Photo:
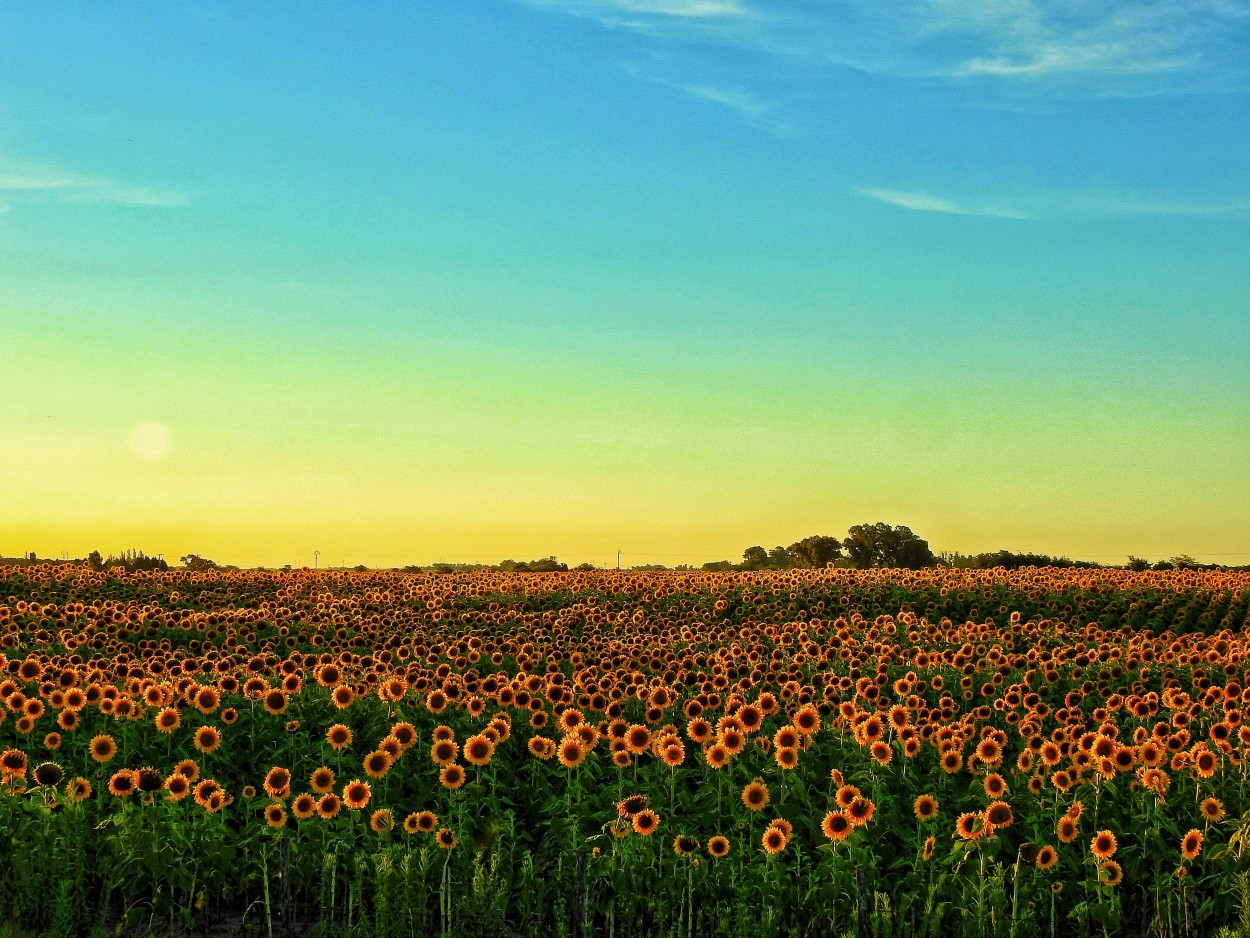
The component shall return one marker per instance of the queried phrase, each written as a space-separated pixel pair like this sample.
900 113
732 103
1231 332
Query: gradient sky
436 281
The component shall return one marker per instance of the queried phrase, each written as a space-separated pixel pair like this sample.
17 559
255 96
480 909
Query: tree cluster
865 546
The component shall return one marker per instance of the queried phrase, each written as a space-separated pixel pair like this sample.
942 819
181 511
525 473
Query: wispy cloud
924 202
1056 205
80 188
1132 47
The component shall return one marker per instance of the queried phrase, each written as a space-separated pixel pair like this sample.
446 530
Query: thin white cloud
1056 205
923 202
79 188
1132 47
741 101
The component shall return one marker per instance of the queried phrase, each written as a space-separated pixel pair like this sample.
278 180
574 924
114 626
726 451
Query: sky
401 283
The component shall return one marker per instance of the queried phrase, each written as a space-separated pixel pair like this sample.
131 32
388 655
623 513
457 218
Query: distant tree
1137 564
132 560
285 568
779 558
815 551
196 563
717 566
96 560
1183 562
883 545
754 558
585 567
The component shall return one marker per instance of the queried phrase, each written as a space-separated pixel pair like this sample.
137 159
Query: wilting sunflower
926 852
149 780
1046 858
103 748
339 737
207 739
329 805
684 845
1103 846
77 790
835 826
718 846
645 822
755 795
47 775
925 808
304 806
446 838
321 780
356 794
275 815
381 821
1191 845
451 777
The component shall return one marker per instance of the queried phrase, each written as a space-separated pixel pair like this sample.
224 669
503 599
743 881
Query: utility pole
618 560
316 558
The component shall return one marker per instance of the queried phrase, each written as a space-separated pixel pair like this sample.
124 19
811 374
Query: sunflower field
807 752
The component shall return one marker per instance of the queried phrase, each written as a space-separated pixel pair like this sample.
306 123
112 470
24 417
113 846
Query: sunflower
189 769
845 795
103 748
860 811
1109 873
168 720
304 806
207 739
716 756
451 777
203 790
381 821
446 838
1062 780
684 845
571 752
673 753
786 758
970 825
322 780
150 780
278 782
774 841
123 783
52 741
882 752
1046 858
177 787
377 764
329 805
835 826
356 794
786 738
952 761
1205 763
645 822
48 775
478 750
994 785
718 846
925 808
926 852
77 790
1191 845
444 751
275 815
998 814
630 806
425 821
339 737
755 795
1212 809
543 748
807 720
1103 846
406 733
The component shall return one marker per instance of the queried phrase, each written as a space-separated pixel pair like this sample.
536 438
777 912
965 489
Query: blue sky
950 230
